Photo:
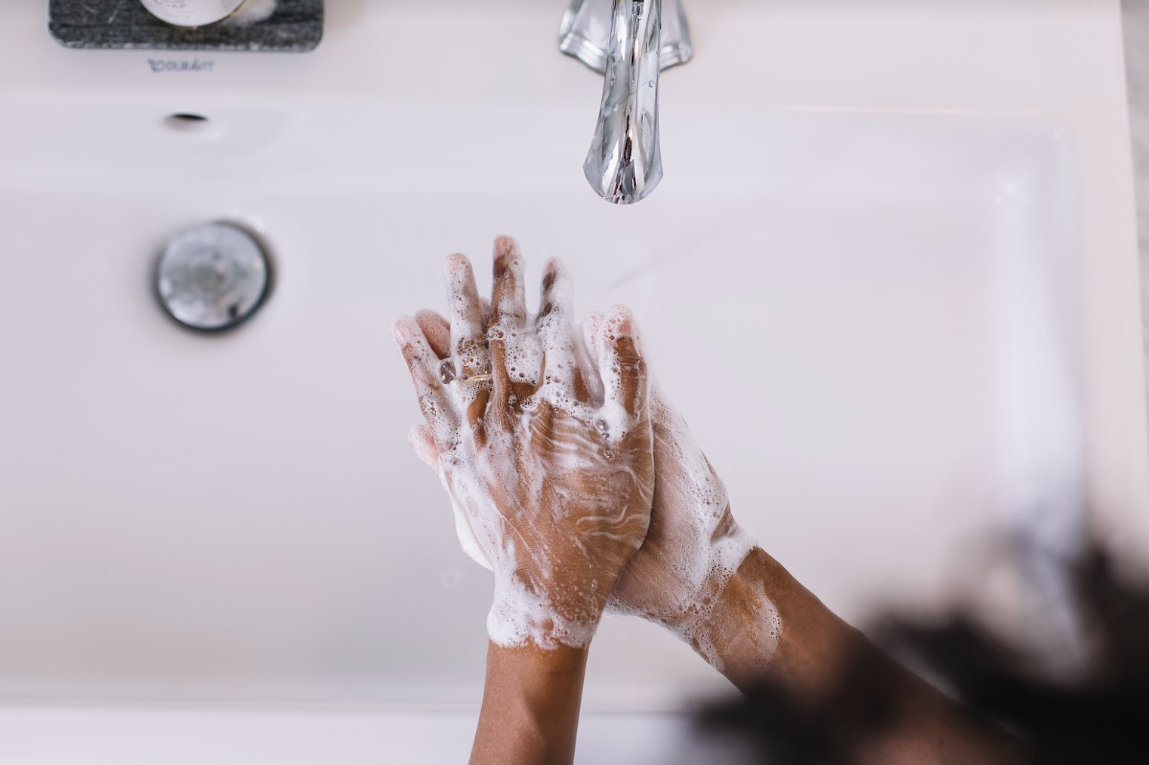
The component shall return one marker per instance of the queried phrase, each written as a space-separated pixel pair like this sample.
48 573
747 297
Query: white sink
890 279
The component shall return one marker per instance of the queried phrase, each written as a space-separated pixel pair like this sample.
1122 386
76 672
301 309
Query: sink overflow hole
186 122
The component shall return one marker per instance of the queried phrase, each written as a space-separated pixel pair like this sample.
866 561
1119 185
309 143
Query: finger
555 332
500 402
465 310
476 405
557 291
588 355
542 423
437 330
424 443
508 300
434 400
591 328
621 364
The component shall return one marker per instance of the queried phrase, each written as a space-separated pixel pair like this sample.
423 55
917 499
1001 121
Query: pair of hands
582 489
571 479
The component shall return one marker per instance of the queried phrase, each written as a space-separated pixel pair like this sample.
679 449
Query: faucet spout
624 163
631 47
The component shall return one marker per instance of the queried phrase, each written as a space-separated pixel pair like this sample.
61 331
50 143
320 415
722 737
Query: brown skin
530 705
815 644
531 700
568 505
574 508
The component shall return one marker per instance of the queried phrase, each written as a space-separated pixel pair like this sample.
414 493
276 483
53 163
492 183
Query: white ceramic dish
191 13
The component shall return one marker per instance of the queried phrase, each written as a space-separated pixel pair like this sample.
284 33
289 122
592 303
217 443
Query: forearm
530 706
765 626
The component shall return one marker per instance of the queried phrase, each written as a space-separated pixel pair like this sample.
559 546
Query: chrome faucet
630 42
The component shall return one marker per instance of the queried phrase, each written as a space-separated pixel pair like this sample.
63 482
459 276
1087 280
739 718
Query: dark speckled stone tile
295 25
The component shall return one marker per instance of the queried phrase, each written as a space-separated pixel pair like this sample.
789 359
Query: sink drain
213 277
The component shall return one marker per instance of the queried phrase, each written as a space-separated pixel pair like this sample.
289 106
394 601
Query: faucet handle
624 163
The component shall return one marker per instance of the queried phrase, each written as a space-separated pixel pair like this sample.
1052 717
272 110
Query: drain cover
213 276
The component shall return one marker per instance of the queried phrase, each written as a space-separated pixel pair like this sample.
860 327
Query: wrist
731 607
706 583
766 624
530 705
521 616
533 667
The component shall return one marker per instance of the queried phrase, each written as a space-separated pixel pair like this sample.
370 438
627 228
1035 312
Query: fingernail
550 275
505 247
624 320
456 264
400 332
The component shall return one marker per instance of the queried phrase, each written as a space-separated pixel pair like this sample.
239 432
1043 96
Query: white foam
485 469
751 642
702 547
698 545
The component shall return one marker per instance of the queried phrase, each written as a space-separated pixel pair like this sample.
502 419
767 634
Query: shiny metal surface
628 41
585 33
624 163
213 276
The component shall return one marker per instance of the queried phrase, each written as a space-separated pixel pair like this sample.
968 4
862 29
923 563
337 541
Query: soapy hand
548 460
693 546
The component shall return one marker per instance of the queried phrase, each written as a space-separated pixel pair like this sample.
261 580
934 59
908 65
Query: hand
551 485
693 546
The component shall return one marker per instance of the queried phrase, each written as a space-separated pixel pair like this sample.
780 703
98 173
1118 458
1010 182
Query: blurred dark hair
1101 719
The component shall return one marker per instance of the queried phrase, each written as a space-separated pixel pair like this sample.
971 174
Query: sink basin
892 289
